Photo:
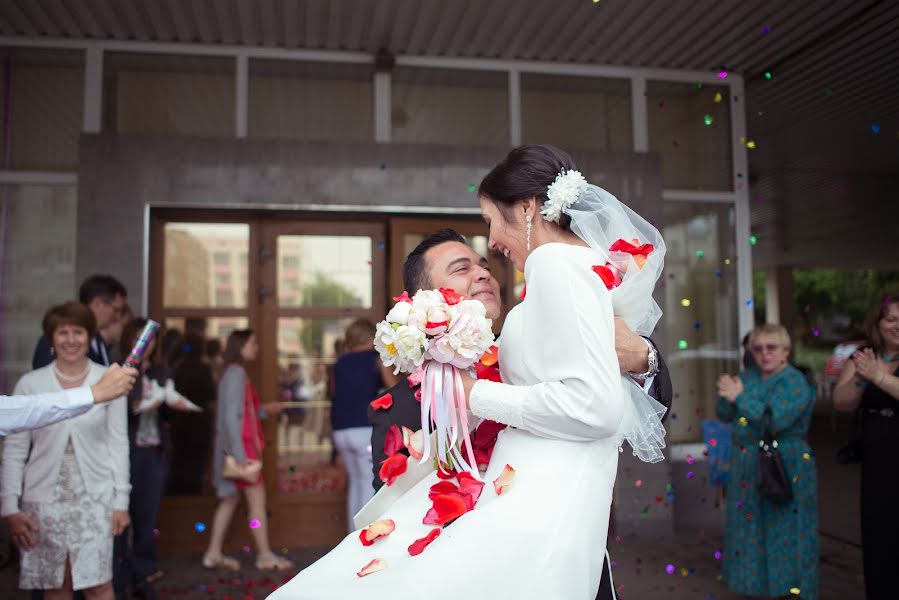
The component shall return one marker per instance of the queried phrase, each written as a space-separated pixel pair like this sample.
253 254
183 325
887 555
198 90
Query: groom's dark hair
415 269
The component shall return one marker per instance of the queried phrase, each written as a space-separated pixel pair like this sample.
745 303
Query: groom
444 260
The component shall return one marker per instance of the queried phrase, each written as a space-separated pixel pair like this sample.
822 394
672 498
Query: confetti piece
718 274
750 144
690 460
682 344
727 261
698 85
753 240
766 30
683 572
875 128
722 75
471 187
638 483
670 569
768 75
697 325
718 97
155 534
795 591
743 422
255 524
690 475
199 527
717 554
816 332
246 549
685 302
713 442
749 303
707 119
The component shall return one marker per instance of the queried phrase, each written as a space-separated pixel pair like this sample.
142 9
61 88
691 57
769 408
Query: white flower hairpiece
562 193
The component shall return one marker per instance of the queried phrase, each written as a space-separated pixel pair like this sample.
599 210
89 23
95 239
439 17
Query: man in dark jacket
444 260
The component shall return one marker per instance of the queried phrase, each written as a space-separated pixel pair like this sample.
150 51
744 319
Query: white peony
412 344
467 338
430 312
400 313
385 344
562 193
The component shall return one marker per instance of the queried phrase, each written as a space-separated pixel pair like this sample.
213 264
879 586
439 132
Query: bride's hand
467 383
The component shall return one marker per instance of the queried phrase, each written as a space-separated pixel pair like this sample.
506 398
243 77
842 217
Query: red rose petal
403 298
609 275
441 487
418 395
505 478
382 403
393 441
377 529
377 564
471 486
451 296
491 357
419 545
415 445
446 474
392 468
448 507
524 292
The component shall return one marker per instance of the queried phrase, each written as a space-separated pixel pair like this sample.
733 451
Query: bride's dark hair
526 172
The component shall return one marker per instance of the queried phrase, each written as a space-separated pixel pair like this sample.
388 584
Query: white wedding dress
545 536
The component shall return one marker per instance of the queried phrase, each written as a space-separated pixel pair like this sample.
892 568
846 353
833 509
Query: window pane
576 112
310 101
205 265
450 106
324 271
700 305
306 350
47 96
40 268
191 349
689 125
157 94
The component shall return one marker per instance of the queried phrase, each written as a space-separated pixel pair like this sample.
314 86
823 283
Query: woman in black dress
870 382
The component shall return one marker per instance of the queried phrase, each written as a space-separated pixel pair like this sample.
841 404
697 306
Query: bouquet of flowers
439 332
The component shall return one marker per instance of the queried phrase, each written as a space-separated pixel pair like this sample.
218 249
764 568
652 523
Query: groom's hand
633 354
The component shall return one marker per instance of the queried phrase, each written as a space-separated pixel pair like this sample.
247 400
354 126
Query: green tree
323 292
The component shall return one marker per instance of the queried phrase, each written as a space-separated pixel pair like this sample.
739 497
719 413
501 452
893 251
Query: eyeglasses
759 348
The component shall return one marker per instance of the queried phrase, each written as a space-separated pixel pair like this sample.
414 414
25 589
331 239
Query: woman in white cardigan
65 499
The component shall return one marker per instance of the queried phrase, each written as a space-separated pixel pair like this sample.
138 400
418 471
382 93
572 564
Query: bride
563 398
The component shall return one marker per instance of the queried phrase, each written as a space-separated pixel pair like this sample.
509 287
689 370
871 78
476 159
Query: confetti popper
140 346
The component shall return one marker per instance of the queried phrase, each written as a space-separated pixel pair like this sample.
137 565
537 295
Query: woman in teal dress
770 550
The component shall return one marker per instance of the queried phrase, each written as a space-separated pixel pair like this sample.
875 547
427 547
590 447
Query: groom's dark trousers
405 411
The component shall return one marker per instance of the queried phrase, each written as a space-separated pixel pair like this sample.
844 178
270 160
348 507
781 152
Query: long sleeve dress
544 536
771 549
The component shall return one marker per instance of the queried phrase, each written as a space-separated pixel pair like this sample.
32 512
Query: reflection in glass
699 288
307 349
323 271
206 265
191 349
689 125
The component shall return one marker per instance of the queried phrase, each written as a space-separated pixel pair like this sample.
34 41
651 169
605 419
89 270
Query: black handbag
774 483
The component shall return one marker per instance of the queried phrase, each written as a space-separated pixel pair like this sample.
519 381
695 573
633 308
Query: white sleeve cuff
491 400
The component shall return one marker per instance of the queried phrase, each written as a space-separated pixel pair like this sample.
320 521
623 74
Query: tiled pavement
640 572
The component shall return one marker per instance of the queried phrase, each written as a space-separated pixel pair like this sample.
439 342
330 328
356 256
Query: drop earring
528 219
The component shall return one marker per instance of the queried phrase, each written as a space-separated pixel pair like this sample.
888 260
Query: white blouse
18 413
99 437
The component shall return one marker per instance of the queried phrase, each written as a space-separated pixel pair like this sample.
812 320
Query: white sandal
221 561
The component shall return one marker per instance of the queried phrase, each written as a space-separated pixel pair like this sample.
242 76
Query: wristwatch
652 362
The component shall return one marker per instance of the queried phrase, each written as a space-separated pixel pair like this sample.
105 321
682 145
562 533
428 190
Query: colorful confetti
875 128
700 254
768 75
697 325
199 527
685 302
750 144
670 569
806 456
472 187
795 591
638 483
718 97
753 240
743 422
717 554
690 474
707 119
722 74
682 344
690 460
255 524
816 332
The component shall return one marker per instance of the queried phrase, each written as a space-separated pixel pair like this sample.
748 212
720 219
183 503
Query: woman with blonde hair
870 383
770 547
65 487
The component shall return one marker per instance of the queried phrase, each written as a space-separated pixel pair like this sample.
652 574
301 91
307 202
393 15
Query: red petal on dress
377 564
451 296
524 292
382 403
446 474
441 487
505 478
419 545
393 441
392 468
403 298
488 373
470 486
377 529
418 395
448 507
609 275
